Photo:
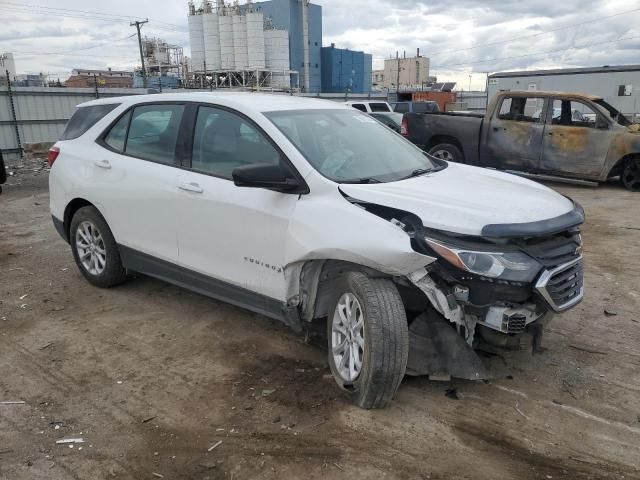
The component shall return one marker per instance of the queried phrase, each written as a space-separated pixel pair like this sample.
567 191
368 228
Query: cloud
462 37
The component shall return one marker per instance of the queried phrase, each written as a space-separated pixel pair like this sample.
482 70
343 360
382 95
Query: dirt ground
152 377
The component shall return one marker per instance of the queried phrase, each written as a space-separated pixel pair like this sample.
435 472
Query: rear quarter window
379 107
425 107
84 118
401 108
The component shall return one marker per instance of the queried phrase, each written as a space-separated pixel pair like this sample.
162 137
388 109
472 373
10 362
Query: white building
414 73
617 85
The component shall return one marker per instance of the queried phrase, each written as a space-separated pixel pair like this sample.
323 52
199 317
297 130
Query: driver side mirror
601 123
270 177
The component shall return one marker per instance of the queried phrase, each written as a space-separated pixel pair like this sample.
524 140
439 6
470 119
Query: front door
576 140
513 137
232 234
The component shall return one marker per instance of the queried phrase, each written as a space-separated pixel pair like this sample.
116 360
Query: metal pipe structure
305 39
13 114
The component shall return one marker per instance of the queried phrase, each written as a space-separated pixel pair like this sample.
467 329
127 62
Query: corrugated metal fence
34 115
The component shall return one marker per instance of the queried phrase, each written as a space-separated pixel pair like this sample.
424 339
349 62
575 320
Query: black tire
113 272
630 176
386 339
448 152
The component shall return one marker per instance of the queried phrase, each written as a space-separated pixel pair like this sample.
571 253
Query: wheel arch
70 210
316 278
619 165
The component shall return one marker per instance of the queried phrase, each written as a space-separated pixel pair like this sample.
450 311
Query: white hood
463 199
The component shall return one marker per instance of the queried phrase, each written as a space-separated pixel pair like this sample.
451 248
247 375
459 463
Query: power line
600 19
84 14
84 17
536 53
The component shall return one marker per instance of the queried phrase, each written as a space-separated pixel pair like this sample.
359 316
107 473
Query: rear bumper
59 226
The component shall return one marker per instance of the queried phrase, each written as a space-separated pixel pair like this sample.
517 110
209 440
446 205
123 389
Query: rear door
512 139
576 139
133 178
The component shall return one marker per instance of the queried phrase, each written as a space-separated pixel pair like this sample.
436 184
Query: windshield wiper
363 180
417 172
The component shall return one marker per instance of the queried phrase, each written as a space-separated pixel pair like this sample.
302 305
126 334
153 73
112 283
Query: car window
153 132
359 106
223 141
379 107
84 118
118 133
574 114
401 108
425 107
521 109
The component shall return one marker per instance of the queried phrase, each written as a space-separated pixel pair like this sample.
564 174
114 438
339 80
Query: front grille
563 286
554 251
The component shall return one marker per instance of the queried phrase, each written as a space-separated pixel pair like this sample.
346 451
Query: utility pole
138 25
398 82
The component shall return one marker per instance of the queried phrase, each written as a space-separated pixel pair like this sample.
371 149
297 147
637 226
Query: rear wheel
95 250
630 176
447 152
368 338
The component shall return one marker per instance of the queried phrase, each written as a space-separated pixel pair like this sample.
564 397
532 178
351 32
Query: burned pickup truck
566 135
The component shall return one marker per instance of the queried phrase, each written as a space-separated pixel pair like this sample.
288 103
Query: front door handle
103 164
191 187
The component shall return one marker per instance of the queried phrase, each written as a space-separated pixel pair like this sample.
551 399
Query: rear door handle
103 164
191 187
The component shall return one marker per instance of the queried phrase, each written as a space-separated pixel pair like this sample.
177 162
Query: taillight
53 154
404 128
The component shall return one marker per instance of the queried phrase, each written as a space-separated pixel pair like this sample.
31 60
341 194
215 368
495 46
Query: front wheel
447 152
368 338
630 177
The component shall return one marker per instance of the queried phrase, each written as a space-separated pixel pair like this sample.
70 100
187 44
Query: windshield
350 147
615 114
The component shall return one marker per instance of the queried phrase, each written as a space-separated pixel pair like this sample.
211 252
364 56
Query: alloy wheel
347 337
91 249
443 155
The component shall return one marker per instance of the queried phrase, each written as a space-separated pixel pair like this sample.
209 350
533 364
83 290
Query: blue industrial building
287 14
345 71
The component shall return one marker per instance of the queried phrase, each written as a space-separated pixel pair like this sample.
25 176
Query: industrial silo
196 40
227 60
240 41
255 40
277 56
211 33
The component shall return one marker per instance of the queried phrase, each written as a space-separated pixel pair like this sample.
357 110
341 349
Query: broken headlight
512 266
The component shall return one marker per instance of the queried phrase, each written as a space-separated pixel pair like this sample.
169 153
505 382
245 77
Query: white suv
309 211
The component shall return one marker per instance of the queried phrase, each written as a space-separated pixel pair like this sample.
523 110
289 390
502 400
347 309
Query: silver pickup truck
567 135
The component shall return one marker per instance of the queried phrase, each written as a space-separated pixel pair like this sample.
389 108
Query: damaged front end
486 292
493 291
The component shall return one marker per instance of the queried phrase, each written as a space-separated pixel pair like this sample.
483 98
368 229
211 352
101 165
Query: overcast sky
462 37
